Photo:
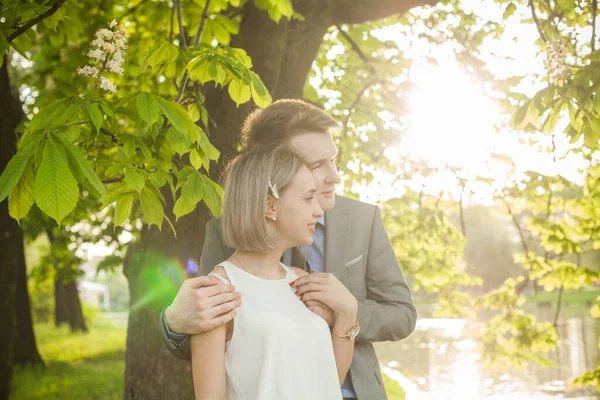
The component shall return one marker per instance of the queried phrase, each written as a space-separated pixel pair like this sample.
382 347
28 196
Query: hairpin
273 190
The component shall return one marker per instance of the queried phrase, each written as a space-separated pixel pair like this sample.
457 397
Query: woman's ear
271 208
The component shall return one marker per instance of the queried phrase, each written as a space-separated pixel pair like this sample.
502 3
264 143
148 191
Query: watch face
354 333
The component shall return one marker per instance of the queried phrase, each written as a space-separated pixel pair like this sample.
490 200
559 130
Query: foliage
145 152
78 365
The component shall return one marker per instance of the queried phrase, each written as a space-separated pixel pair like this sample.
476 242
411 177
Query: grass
89 366
393 389
78 366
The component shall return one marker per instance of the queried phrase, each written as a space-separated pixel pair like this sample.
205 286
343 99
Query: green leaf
207 148
152 208
95 115
509 11
566 5
83 165
213 195
552 118
260 94
239 92
192 192
176 114
147 107
199 69
21 198
44 117
146 152
134 179
123 208
55 189
179 142
15 167
194 112
195 159
129 146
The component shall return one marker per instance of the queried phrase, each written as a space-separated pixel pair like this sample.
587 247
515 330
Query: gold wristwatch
352 333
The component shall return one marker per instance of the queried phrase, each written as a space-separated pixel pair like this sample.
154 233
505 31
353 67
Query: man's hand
327 289
202 304
321 310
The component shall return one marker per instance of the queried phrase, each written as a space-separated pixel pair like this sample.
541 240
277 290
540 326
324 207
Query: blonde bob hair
249 179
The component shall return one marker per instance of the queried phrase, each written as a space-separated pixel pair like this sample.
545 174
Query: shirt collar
321 220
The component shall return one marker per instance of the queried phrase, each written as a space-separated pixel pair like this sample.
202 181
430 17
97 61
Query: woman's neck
263 264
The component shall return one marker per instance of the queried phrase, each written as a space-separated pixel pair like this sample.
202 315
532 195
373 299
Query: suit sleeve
388 313
212 254
213 251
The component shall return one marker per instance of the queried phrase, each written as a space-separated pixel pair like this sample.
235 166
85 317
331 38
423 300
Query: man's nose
332 175
317 210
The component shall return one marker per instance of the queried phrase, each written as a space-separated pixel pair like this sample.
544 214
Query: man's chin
327 202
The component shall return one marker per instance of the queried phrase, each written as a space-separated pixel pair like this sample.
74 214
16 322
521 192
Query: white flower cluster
556 62
107 54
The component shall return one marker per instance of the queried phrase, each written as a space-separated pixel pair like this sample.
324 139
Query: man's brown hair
282 120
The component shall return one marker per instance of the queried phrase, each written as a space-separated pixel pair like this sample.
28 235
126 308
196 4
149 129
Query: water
439 361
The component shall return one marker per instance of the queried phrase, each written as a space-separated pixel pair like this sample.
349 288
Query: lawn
89 366
78 366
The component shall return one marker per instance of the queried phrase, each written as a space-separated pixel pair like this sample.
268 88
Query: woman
275 347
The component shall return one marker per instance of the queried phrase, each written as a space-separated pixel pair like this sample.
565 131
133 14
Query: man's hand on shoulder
202 304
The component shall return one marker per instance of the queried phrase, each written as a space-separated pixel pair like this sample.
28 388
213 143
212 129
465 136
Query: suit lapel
337 228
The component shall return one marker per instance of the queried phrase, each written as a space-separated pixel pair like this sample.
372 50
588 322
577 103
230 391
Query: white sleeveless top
279 350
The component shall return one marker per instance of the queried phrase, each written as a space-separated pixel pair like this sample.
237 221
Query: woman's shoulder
220 271
298 271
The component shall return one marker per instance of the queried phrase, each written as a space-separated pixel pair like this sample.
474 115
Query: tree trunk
11 236
26 352
67 306
282 55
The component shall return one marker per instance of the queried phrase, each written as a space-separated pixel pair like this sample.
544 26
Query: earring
274 218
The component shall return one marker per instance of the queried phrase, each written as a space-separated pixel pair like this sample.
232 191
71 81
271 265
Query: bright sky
454 122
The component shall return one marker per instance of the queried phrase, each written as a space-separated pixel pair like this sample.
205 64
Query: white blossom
115 67
88 71
97 54
107 85
556 63
106 56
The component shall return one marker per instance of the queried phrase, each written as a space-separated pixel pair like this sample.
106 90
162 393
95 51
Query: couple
287 333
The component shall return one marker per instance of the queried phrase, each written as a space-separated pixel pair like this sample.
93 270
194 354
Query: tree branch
462 210
354 12
357 49
23 28
558 306
202 22
180 24
536 20
594 11
196 41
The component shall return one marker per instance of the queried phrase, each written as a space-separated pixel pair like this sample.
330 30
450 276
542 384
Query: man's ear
271 208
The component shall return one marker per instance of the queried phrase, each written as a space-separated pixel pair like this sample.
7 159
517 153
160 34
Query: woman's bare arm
208 361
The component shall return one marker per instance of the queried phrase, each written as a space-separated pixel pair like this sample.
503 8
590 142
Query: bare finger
222 320
224 308
221 299
309 287
317 277
216 290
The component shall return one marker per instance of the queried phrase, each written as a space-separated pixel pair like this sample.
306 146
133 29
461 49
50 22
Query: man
350 245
